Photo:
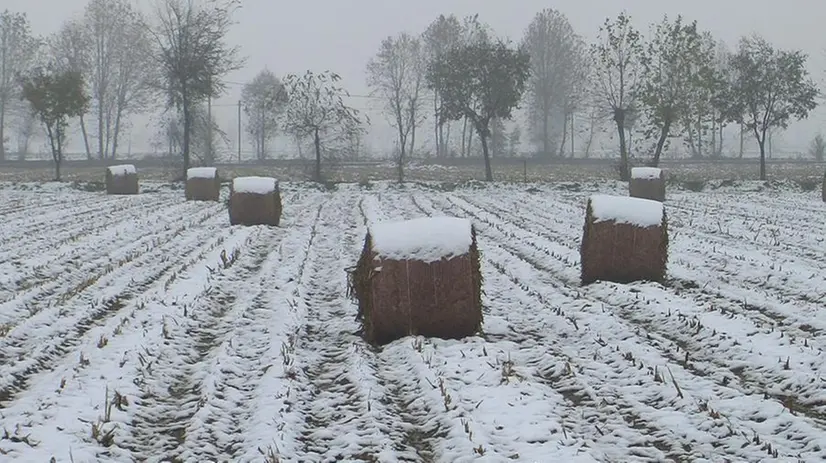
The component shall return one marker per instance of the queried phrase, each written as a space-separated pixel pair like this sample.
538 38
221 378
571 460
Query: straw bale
202 188
404 297
647 186
122 182
255 208
623 252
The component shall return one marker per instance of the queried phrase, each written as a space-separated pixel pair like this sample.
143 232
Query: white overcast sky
341 35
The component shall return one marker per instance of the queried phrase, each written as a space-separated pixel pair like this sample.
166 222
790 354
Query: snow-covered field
144 328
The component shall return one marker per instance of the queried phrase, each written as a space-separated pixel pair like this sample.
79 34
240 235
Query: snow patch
646 173
201 172
426 239
623 209
256 185
122 169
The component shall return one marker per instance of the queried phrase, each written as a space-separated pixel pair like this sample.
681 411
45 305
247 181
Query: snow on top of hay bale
646 173
426 239
255 185
201 172
624 209
123 169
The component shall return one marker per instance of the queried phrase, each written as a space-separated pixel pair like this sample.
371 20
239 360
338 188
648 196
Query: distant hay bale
625 239
122 180
202 184
647 183
255 201
419 277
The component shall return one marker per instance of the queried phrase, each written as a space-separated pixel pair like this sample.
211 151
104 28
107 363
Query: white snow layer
426 239
256 185
646 173
201 172
624 209
123 169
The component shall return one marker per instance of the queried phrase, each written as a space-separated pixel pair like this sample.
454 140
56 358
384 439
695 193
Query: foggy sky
339 35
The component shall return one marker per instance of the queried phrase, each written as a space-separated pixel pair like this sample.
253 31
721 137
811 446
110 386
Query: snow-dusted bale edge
646 173
622 209
425 239
255 185
122 169
201 172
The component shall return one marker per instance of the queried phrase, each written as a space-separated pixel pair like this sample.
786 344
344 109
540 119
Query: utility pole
209 159
239 131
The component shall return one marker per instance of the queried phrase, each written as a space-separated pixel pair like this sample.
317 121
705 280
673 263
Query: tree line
675 83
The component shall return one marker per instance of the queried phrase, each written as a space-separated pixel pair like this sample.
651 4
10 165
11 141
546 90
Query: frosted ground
145 328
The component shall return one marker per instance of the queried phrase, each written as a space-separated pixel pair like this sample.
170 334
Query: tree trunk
661 143
2 131
742 140
85 134
116 133
101 152
486 154
317 143
187 135
761 142
564 138
464 138
546 143
619 118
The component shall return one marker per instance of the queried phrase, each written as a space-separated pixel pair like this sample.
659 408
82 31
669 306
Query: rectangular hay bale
122 180
404 297
255 206
647 183
623 249
202 184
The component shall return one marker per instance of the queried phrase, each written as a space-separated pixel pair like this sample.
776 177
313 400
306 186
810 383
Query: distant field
535 172
145 328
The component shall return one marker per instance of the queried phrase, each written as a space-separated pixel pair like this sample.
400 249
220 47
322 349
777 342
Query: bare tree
193 55
264 100
69 49
396 75
316 110
557 68
616 71
118 59
17 49
443 34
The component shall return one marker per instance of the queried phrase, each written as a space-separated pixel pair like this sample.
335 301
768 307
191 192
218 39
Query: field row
145 328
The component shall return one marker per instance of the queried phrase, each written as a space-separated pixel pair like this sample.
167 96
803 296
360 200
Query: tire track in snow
172 376
218 430
337 407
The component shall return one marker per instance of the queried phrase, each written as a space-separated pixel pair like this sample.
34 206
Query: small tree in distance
817 148
316 109
480 81
768 89
264 100
55 96
616 70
